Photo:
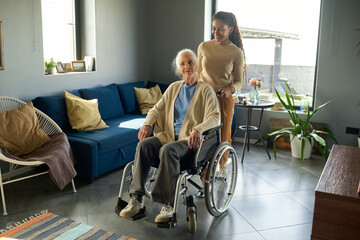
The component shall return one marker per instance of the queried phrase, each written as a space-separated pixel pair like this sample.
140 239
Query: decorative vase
296 147
254 94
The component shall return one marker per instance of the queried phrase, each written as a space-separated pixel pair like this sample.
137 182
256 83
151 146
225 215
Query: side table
262 104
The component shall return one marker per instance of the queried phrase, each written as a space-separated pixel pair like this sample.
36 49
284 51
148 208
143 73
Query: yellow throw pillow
20 132
83 114
147 98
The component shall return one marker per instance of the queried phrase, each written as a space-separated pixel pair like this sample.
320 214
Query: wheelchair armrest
212 130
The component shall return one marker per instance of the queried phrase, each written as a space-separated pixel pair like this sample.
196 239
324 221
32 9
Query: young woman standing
221 64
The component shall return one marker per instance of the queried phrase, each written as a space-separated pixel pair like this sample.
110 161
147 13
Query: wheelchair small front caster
191 214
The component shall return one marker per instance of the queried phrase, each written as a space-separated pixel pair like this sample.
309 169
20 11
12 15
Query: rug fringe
16 224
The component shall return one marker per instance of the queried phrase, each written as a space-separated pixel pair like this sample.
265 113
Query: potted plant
302 132
50 66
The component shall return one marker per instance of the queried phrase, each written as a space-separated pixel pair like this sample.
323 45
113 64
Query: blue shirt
182 104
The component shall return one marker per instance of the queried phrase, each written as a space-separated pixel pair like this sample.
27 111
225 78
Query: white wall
121 49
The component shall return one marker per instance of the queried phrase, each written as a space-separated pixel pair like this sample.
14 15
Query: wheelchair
219 181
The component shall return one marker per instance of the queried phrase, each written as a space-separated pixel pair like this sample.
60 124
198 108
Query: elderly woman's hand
144 132
194 139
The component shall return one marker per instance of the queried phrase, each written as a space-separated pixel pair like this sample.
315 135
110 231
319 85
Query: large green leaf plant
302 129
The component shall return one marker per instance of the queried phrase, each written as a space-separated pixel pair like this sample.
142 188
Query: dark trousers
169 159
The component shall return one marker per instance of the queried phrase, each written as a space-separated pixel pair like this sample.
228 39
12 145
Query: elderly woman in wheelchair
186 127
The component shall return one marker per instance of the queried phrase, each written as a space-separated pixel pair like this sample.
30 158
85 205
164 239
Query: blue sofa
100 151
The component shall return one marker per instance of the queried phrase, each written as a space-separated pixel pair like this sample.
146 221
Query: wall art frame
78 66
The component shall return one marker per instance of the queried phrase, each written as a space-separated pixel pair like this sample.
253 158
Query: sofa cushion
147 98
128 98
20 132
55 108
108 98
123 131
83 114
163 86
75 92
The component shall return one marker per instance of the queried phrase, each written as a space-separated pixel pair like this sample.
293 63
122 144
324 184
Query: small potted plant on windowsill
50 66
302 134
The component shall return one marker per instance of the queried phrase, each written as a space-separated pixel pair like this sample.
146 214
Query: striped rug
50 226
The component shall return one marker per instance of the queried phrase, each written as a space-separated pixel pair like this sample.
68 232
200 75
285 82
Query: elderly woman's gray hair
176 62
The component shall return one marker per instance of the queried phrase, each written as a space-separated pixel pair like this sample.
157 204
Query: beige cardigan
203 112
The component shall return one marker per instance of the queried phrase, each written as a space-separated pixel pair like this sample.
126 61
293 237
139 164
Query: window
59 30
280 41
69 31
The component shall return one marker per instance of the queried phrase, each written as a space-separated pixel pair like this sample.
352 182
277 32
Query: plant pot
51 70
296 147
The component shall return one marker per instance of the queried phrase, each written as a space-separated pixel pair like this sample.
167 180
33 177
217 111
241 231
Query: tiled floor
274 201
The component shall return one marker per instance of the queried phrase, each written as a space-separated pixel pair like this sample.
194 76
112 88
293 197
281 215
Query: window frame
84 36
297 107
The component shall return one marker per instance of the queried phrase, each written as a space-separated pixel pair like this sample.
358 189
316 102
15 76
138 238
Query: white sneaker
132 208
165 214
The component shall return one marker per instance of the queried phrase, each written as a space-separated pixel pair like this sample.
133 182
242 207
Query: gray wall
121 48
174 25
338 67
137 39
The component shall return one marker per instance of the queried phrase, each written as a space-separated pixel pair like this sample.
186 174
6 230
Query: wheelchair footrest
139 215
170 223
121 204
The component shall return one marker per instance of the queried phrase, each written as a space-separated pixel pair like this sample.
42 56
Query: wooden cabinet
337 202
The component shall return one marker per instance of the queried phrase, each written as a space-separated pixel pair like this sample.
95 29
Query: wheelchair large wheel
149 183
221 179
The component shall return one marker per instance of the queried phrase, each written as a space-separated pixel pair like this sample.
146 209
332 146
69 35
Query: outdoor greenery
302 129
